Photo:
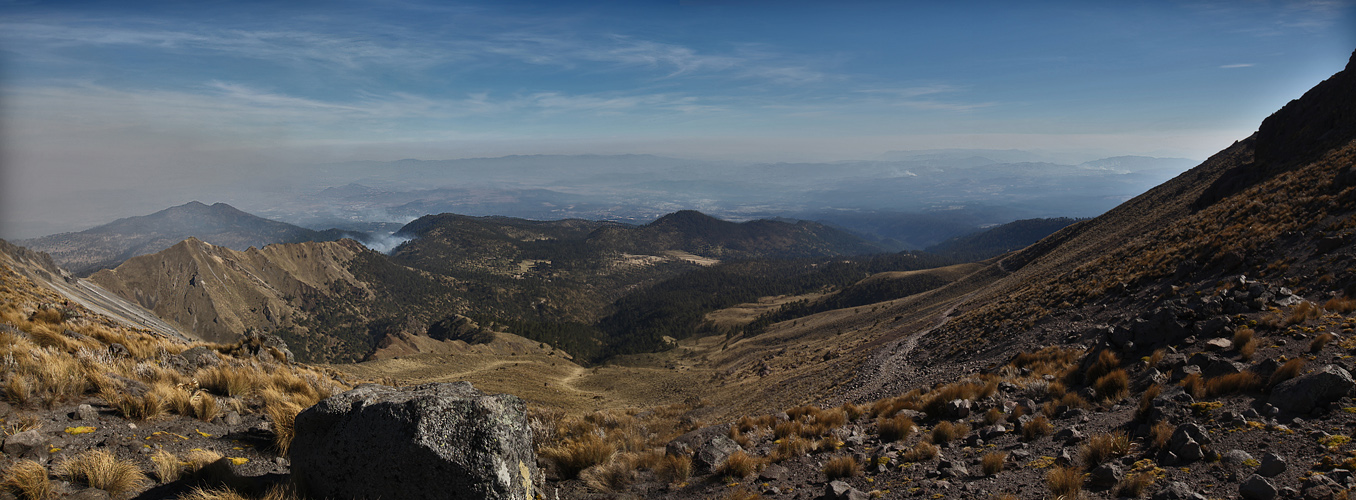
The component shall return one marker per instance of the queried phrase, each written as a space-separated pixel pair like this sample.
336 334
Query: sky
103 102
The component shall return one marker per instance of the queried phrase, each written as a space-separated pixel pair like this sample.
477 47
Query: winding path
890 363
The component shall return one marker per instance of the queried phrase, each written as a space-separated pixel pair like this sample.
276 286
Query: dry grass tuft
1134 485
144 407
1105 362
920 452
1105 446
1194 385
1245 341
101 469
841 467
742 493
1159 434
283 415
1064 482
739 465
788 448
577 454
1343 305
1320 342
1157 357
993 416
895 428
205 408
1287 371
1302 312
1113 386
673 469
1037 427
27 479
1146 401
946 431
1232 383
992 463
618 472
167 466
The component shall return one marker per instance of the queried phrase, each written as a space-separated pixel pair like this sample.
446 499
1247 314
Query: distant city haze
304 111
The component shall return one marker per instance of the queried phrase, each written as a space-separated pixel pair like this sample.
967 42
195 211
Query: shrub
100 469
946 431
1232 383
1037 427
920 452
895 428
739 465
1064 482
1105 446
992 463
1319 342
840 467
1113 386
28 480
575 455
1287 371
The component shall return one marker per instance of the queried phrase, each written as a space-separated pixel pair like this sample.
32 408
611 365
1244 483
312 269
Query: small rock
1235 457
773 473
29 444
958 408
1257 488
118 350
1318 492
1177 490
839 490
1105 476
86 412
1069 436
232 418
1272 465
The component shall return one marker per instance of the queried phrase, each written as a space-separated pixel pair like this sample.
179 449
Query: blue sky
109 93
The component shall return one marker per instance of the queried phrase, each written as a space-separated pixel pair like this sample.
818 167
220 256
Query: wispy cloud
1232 66
910 97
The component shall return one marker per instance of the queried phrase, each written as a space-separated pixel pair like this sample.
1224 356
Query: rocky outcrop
445 441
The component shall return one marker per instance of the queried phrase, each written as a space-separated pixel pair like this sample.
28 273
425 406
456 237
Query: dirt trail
890 364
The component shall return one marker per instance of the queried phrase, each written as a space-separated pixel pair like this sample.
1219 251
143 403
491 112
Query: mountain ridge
108 245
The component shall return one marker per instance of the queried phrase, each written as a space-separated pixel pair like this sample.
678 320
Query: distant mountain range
111 244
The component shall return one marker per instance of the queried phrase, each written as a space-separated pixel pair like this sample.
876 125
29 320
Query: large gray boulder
708 448
1301 394
432 441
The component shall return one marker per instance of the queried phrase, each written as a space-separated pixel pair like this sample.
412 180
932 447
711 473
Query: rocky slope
218 293
1194 342
111 244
